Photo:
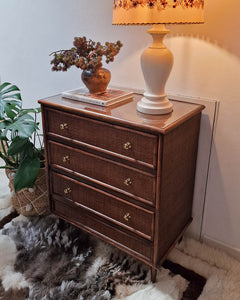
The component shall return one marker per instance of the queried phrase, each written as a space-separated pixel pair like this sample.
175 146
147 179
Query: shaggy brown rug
55 260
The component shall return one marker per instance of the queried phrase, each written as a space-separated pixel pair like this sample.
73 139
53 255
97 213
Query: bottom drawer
85 220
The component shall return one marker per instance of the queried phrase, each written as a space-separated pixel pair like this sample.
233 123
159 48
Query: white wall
207 64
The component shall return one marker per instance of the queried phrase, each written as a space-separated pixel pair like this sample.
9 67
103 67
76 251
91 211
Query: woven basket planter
30 201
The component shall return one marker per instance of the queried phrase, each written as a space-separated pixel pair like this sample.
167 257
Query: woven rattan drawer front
99 227
123 213
132 181
120 140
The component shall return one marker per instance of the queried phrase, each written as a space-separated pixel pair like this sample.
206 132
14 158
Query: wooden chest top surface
127 114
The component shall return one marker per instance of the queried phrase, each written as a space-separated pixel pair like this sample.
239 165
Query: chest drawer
141 147
123 213
134 182
85 220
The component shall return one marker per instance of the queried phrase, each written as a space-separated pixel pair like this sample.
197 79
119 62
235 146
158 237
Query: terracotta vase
97 81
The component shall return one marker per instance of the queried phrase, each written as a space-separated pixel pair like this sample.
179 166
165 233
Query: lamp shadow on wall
221 27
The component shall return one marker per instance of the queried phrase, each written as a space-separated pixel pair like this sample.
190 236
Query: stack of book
110 97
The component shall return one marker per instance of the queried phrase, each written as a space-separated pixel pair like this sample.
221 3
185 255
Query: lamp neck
158 32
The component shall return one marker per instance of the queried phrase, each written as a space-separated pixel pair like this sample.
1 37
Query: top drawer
137 145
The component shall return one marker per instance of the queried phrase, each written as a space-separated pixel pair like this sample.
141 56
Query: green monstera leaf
23 127
21 146
10 100
27 173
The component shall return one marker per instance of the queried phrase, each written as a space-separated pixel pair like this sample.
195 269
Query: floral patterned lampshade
157 11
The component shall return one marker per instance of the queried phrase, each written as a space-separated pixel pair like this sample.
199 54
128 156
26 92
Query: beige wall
207 64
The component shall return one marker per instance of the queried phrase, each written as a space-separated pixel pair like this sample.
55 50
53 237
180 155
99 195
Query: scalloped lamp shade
157 60
157 11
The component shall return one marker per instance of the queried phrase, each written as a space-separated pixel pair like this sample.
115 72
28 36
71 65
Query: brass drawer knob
66 158
63 126
67 191
128 181
127 217
127 146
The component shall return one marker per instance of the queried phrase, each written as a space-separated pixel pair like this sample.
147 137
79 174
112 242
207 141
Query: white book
111 96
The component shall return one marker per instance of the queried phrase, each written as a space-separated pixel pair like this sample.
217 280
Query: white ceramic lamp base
151 107
156 63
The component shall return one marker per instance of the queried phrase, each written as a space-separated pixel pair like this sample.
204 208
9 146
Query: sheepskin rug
5 203
46 258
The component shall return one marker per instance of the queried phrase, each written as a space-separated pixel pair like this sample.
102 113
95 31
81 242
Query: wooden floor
8 218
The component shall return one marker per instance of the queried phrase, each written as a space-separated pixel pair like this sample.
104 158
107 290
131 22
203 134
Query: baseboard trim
232 251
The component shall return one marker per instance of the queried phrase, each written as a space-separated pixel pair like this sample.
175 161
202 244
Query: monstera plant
19 137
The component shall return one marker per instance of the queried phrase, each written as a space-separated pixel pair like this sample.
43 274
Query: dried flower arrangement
86 55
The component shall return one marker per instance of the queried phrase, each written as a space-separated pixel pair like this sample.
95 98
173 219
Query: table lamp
156 60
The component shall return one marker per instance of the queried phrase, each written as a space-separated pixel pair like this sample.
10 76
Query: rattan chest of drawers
122 176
